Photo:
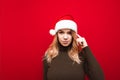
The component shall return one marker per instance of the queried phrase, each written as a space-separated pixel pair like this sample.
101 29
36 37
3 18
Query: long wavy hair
53 49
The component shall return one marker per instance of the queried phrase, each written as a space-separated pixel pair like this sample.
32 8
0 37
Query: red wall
24 34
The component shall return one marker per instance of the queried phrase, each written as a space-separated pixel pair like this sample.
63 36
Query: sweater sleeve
92 67
45 69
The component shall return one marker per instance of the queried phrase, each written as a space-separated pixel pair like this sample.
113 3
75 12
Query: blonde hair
53 49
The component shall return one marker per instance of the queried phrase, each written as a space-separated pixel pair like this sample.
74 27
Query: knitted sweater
63 68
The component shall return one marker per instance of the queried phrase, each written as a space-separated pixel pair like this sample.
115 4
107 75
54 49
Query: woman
69 57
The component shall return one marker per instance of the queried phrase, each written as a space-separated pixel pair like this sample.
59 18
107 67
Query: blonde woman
69 57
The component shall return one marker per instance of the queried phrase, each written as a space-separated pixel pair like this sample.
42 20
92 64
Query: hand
81 41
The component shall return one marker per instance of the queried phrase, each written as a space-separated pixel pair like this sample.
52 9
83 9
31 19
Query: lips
65 42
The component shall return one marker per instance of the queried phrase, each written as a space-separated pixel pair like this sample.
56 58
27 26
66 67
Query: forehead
65 29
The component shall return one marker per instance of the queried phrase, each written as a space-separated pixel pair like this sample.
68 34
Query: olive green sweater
63 68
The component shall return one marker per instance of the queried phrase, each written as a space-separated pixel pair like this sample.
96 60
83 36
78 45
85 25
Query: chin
65 45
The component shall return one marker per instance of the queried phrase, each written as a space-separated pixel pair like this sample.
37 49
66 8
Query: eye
69 32
60 32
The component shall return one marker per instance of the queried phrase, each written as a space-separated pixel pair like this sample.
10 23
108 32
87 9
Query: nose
65 36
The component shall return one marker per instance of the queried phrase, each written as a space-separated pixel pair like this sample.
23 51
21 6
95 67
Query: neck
64 48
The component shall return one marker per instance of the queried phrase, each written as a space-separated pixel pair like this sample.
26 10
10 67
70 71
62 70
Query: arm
91 66
45 69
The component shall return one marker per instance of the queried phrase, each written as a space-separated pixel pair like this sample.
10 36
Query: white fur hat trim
64 24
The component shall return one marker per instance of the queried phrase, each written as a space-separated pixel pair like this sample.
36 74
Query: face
65 37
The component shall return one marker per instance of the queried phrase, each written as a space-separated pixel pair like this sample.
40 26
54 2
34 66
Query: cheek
70 38
59 37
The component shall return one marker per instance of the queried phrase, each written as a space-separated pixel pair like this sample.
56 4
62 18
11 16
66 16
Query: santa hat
64 22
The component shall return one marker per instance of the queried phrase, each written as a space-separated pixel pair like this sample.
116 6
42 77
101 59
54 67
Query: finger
80 41
79 36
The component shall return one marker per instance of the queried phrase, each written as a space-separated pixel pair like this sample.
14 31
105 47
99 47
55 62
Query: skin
64 37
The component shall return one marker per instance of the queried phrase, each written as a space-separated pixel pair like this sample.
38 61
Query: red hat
66 21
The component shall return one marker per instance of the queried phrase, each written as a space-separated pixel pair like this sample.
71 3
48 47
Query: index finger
79 36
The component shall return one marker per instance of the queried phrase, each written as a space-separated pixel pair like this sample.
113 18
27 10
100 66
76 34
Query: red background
24 34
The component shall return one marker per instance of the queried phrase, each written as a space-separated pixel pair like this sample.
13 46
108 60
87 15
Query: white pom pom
52 32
